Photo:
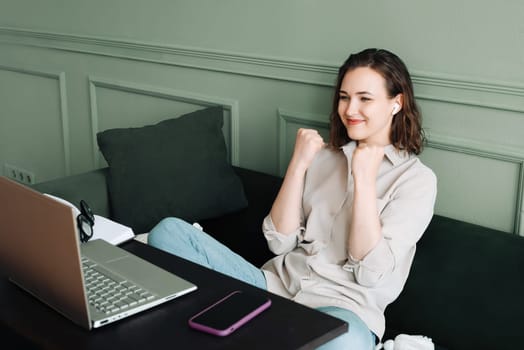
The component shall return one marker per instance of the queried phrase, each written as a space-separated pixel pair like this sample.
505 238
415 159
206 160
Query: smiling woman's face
365 108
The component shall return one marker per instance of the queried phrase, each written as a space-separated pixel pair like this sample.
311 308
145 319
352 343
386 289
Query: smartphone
229 313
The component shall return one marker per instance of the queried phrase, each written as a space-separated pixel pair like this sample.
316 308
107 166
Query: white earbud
395 108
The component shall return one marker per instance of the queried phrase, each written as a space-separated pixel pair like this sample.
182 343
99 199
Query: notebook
93 283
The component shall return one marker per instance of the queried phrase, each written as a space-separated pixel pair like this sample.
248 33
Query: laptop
93 283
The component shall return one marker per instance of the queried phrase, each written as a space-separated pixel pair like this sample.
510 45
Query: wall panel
477 186
34 101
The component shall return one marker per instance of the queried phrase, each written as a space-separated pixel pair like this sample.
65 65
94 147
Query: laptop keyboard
110 293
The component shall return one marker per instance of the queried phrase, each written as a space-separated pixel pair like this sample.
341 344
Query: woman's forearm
285 212
365 229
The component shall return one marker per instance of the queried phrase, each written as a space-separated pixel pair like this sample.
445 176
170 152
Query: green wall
71 68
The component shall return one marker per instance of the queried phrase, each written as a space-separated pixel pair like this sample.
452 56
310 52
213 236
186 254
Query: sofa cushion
177 167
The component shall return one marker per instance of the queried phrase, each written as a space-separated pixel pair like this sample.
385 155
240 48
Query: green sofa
465 286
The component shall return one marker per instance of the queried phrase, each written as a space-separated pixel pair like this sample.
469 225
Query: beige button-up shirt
313 266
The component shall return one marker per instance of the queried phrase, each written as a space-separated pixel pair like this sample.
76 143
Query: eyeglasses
85 221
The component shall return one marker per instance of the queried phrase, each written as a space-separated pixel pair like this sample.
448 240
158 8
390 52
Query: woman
347 218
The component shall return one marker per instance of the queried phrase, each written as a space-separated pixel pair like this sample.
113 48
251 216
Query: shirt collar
395 156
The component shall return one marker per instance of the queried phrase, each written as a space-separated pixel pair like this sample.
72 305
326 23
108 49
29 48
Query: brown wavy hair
406 129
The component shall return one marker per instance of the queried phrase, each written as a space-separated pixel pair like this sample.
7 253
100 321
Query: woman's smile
354 121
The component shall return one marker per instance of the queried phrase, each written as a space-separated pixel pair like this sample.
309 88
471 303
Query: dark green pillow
177 167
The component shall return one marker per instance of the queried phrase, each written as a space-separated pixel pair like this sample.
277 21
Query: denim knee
171 221
164 231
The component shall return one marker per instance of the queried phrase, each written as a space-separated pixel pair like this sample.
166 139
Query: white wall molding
457 82
430 86
60 77
175 95
189 57
469 92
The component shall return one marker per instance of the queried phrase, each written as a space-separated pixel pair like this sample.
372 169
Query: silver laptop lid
38 250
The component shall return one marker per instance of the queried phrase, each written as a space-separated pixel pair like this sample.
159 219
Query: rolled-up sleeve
377 264
280 243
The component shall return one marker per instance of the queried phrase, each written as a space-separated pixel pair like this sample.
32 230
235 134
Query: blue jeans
184 240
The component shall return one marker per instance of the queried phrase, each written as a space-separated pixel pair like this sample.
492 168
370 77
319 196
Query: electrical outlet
18 174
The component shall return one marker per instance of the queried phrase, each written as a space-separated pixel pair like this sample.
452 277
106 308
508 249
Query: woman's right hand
307 145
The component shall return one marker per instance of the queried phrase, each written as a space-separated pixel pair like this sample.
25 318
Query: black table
30 324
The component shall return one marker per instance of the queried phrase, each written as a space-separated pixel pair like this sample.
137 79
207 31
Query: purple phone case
230 329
